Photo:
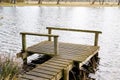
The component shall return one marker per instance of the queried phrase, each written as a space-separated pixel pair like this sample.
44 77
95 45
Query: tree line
58 1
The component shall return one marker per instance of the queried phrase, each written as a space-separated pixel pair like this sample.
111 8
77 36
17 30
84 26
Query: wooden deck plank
44 71
41 75
56 67
61 59
31 77
60 62
64 48
57 75
63 62
49 69
23 79
56 64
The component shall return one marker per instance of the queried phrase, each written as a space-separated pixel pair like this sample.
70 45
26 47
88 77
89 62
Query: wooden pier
65 56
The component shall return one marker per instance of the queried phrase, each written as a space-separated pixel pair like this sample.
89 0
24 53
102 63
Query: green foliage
9 69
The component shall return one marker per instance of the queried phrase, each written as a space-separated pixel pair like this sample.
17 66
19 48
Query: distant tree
13 1
0 1
103 2
99 1
39 1
93 1
58 1
118 2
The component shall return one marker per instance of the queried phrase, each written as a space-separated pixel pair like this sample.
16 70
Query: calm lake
14 20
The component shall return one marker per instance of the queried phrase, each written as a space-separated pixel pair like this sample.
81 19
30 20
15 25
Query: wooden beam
77 30
37 34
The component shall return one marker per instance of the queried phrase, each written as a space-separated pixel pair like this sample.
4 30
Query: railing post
96 39
56 45
24 55
23 42
49 32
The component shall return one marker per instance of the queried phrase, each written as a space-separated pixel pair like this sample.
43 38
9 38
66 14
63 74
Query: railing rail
37 34
76 30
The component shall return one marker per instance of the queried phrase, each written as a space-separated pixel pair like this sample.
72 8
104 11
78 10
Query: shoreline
64 4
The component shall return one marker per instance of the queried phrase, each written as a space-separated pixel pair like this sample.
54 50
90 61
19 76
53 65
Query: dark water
14 20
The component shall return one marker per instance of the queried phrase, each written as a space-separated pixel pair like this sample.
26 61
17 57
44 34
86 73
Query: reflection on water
14 20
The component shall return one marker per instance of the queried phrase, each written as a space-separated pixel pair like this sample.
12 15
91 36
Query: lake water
14 20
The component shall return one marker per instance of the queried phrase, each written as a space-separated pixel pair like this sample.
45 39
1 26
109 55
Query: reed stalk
9 68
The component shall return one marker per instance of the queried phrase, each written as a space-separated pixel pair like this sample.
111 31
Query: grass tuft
9 68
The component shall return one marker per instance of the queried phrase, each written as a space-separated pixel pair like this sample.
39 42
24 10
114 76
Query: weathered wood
49 69
56 45
41 75
32 77
38 34
60 62
56 64
23 79
66 74
49 32
66 50
44 71
77 30
58 72
62 59
64 55
23 43
24 56
96 39
58 69
57 76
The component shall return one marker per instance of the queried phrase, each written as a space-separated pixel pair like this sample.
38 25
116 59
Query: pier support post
66 74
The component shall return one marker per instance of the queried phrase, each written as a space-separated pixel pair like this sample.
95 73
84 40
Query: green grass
9 69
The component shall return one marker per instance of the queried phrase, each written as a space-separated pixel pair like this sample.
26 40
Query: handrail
37 34
76 30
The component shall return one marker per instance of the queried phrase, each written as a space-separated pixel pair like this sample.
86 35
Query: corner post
56 45
49 32
24 55
23 42
96 39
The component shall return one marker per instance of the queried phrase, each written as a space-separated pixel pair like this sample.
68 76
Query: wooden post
23 50
66 74
56 45
23 42
49 32
96 39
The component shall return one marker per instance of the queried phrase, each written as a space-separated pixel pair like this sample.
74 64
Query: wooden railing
76 30
37 34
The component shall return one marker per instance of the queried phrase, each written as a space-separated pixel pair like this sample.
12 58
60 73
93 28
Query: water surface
14 20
